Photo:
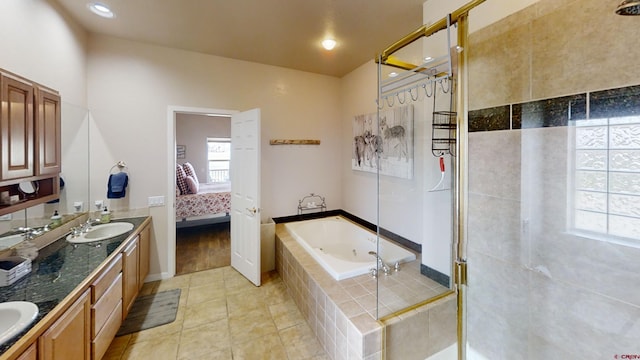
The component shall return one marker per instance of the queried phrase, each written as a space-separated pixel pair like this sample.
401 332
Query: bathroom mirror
74 175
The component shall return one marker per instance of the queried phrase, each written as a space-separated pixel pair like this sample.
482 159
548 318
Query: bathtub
342 247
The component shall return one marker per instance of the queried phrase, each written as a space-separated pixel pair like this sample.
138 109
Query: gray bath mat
150 311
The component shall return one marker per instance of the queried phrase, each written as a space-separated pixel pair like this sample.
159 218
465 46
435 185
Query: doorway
202 229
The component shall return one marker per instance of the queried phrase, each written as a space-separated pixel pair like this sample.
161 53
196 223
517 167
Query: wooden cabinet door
48 133
145 243
68 337
30 354
130 271
16 128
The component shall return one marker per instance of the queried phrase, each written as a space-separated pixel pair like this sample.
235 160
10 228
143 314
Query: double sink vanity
80 289
65 285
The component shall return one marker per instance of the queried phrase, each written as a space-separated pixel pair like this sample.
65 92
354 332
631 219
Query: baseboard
435 275
157 277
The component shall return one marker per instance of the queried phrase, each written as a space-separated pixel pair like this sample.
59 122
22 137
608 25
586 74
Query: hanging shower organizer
443 128
435 74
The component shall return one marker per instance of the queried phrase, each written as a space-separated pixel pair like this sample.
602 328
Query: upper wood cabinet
30 142
48 130
17 128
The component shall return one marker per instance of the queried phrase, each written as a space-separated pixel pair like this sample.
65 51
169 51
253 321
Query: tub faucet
381 264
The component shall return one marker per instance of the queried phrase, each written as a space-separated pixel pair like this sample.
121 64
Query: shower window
218 159
606 203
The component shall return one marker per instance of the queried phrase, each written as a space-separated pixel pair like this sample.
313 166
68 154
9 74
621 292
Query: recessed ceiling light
428 58
329 44
101 9
393 74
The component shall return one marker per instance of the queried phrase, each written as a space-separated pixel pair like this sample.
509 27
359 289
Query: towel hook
417 94
393 101
426 93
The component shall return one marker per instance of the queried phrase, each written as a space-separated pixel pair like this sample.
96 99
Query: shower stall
540 189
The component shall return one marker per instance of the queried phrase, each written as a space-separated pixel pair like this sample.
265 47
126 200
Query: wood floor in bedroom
202 248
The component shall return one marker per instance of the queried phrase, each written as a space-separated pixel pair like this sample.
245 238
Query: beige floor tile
215 355
275 292
223 316
202 340
300 342
205 312
254 324
234 282
268 347
207 277
240 303
205 293
159 348
286 314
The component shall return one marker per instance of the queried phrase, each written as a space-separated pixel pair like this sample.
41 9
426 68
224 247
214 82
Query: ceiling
283 33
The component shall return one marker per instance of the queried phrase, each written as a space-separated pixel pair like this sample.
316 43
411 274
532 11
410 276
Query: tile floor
223 316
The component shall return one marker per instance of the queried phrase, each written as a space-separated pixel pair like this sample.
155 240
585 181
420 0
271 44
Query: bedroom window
607 179
218 159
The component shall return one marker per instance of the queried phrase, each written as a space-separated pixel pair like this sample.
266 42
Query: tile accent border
559 111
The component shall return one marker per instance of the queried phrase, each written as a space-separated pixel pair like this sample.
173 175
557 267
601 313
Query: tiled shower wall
537 291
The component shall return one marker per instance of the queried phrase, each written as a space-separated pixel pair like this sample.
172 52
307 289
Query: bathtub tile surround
342 313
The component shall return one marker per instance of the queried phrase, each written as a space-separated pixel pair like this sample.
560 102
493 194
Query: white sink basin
8 241
15 316
102 232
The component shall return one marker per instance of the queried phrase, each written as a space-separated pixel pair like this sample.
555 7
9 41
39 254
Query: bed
200 203
211 199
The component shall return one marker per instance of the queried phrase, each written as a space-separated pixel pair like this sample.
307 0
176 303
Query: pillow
190 171
192 185
180 180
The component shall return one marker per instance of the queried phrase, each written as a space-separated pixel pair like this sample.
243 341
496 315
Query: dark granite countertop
57 271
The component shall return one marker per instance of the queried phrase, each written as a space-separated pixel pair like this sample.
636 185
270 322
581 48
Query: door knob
253 210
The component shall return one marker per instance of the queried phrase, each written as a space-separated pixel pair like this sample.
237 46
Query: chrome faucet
380 264
84 228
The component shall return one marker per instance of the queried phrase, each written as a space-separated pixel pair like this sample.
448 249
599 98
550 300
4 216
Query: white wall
131 85
192 131
44 46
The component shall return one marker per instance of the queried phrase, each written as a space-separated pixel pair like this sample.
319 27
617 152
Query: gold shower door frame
459 17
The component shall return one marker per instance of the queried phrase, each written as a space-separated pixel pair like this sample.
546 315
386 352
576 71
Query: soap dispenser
56 219
105 216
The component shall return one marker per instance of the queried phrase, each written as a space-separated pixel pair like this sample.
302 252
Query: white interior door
245 194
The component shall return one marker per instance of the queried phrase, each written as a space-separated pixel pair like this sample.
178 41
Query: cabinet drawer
101 310
101 343
105 280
